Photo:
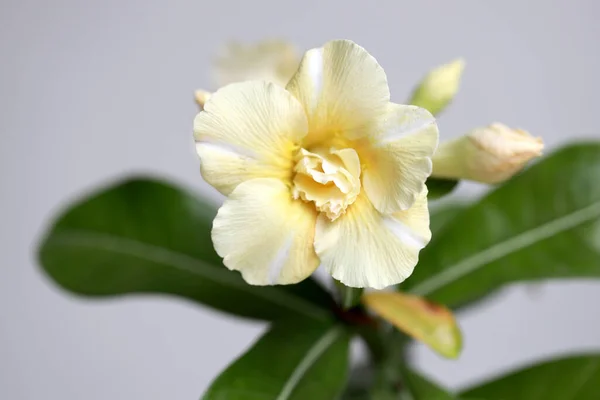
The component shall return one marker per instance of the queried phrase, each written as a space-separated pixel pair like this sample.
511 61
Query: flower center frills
328 177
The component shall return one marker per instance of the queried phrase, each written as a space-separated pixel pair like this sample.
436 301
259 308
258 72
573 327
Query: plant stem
388 383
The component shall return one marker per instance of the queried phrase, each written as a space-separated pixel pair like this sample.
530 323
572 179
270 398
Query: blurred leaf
359 383
393 380
348 296
144 236
430 323
438 187
421 388
440 216
356 394
576 378
544 223
300 360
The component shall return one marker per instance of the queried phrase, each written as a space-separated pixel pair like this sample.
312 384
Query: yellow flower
490 155
325 171
270 60
439 87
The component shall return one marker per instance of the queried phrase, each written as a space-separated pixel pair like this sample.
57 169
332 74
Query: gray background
90 91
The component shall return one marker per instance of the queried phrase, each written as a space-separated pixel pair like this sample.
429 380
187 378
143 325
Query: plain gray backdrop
91 91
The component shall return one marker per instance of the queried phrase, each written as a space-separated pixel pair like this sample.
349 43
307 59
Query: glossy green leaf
293 361
573 378
544 223
438 187
421 388
145 236
440 216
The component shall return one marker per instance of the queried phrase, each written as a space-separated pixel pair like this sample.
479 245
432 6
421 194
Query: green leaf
395 381
544 223
145 236
293 361
438 187
576 378
440 216
421 388
359 382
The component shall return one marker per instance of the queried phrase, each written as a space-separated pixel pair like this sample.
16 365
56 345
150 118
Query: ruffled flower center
330 178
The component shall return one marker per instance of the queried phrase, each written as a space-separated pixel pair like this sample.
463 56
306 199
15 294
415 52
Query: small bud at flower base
490 155
439 87
201 97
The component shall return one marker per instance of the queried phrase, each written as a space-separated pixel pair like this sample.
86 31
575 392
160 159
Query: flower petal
398 161
367 249
342 88
248 130
265 234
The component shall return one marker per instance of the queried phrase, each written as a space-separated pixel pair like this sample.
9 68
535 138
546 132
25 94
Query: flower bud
271 60
201 97
439 87
491 155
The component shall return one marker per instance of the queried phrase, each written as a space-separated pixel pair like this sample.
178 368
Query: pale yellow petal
342 89
398 159
365 248
416 218
265 234
270 60
248 130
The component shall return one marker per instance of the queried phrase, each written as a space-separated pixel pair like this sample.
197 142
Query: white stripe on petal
404 233
215 145
404 121
393 135
280 259
315 70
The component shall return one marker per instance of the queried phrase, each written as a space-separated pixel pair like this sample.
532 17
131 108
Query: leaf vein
506 247
183 262
309 359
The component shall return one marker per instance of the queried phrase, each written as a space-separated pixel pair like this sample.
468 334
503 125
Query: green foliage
542 224
297 360
440 216
421 388
576 378
144 236
438 187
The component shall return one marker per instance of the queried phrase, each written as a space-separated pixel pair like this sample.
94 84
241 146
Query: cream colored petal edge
341 87
248 130
365 248
398 162
265 234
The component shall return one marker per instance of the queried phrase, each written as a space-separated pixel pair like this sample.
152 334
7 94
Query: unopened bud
439 87
201 97
491 155
270 60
